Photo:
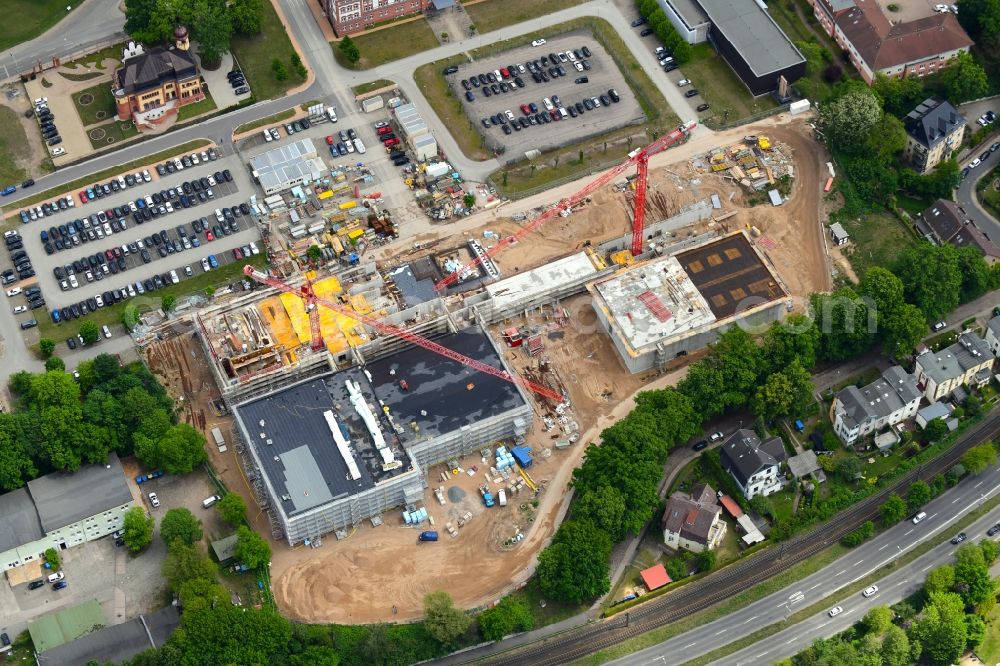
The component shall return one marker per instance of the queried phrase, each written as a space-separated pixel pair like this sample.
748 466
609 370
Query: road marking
689 645
856 563
848 611
979 484
751 619
762 654
842 572
932 515
955 500
720 632
927 567
822 625
883 548
909 533
815 586
791 640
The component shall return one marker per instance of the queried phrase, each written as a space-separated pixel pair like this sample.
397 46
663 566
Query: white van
919 517
106 331
502 497
359 146
57 576
210 501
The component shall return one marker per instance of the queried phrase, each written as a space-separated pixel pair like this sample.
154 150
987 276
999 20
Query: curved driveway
965 196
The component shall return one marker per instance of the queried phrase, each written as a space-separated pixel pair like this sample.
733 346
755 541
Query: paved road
92 23
849 569
965 196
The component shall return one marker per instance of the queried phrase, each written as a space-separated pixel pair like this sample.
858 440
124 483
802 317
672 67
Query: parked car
154 500
870 591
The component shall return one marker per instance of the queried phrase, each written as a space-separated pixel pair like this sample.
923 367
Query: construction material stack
504 459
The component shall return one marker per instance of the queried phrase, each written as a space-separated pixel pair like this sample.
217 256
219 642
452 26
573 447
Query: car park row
553 111
509 78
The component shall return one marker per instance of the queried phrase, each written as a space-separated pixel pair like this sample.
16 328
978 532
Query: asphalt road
965 196
854 566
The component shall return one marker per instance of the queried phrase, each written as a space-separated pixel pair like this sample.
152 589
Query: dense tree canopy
212 22
442 620
252 548
180 523
138 529
849 120
232 509
574 567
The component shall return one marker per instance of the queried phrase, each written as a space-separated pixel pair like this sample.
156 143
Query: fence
712 123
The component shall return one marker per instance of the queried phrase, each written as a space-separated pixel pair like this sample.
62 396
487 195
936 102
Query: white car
204 265
154 500
835 611
253 248
941 8
870 591
509 114
73 281
569 54
18 309
14 292
211 181
267 136
106 331
145 176
538 42
194 159
683 82
716 436
100 301
173 277
974 163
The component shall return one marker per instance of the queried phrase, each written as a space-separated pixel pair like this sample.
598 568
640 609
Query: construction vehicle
487 495
312 301
638 157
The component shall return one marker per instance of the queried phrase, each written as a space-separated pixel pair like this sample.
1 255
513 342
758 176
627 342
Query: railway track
736 578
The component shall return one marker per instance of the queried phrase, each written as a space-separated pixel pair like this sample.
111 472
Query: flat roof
443 395
287 164
688 11
652 301
753 33
296 446
415 281
64 498
116 643
66 625
728 271
519 287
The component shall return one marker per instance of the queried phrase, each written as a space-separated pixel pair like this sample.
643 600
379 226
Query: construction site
372 399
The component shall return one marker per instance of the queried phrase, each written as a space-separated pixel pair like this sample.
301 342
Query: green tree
795 338
178 451
246 16
314 253
816 59
893 510
895 647
181 524
148 21
965 79
979 458
935 430
902 329
899 95
218 634
574 567
762 505
442 620
167 302
932 278
232 509
877 620
887 138
605 507
138 529
251 548
975 630
705 560
674 414
848 120
919 494
976 277
883 288
89 332
676 569
16 466
941 629
279 70
972 575
939 579
184 563
55 364
212 28
511 615
47 347
848 468
846 323
469 200
991 550
349 50
52 558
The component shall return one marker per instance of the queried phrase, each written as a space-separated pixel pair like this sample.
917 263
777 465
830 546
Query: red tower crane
309 296
639 157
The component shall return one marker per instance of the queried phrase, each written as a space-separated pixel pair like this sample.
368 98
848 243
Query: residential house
693 522
877 45
753 464
890 399
944 222
151 86
61 510
935 410
934 130
968 361
993 335
116 643
352 16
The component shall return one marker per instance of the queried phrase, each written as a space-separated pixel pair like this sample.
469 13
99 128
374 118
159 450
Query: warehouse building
285 167
345 446
62 510
667 307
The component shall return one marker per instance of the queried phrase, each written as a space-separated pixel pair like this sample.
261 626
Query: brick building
352 16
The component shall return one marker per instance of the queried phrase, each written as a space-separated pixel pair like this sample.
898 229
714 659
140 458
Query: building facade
688 18
152 85
967 362
876 45
693 522
891 399
942 222
993 335
934 131
352 16
753 464
61 511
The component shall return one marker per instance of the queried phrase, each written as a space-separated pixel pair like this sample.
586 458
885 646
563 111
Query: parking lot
227 194
602 76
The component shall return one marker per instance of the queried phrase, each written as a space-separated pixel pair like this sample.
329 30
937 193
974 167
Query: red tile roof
655 577
731 506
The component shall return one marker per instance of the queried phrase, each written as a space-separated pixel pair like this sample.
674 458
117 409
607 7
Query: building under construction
336 448
657 310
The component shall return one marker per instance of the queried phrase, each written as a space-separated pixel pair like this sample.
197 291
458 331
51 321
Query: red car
384 130
525 110
236 253
504 72
83 196
329 140
555 115
391 142
209 236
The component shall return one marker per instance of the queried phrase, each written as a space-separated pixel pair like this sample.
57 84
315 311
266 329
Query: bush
860 535
507 617
52 557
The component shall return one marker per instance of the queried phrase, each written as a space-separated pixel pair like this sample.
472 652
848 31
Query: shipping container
372 104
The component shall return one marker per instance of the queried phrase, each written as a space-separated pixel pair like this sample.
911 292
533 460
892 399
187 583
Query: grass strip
387 44
262 122
372 85
491 15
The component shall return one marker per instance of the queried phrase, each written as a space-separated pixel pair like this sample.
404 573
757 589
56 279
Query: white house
62 510
889 400
968 361
752 463
693 522
993 335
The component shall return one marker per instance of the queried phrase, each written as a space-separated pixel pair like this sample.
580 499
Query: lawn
911 204
264 122
28 19
989 649
549 613
13 146
97 58
372 85
113 315
189 111
256 52
392 43
876 240
989 194
103 136
492 14
721 88
95 104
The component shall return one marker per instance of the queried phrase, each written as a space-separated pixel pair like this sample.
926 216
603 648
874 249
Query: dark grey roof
882 397
690 12
691 516
969 351
754 34
20 524
932 121
116 643
443 395
744 454
62 498
994 325
943 219
154 68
